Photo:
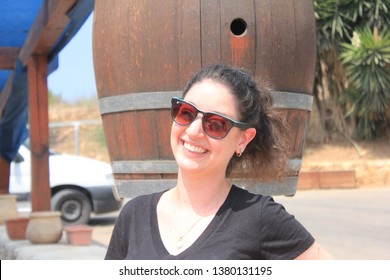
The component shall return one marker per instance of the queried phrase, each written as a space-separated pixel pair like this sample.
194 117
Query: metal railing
82 137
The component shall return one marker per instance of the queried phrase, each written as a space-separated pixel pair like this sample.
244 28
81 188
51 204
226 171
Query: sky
74 78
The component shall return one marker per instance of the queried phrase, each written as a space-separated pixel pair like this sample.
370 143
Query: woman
224 123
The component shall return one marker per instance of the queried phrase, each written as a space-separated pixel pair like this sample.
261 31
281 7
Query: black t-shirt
247 226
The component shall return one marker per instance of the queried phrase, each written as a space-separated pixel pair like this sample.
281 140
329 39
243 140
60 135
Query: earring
239 154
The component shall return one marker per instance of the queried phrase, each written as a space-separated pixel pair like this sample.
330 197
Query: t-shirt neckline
156 236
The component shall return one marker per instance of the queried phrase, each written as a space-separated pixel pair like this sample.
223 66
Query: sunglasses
215 125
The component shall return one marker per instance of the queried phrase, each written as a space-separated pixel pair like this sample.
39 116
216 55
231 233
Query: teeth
194 149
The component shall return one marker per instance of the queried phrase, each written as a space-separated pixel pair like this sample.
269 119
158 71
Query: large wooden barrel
145 51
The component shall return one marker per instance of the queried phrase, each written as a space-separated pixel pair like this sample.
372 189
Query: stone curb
25 250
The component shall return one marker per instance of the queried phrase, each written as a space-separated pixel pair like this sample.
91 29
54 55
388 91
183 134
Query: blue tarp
13 130
16 20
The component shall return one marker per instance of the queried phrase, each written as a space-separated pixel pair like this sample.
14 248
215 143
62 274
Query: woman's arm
315 252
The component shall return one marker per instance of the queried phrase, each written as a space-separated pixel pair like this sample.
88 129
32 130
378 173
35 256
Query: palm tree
338 90
366 60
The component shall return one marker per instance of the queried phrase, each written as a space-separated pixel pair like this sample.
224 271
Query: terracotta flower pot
79 235
8 208
16 227
44 227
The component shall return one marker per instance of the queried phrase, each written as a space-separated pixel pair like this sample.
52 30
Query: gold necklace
180 242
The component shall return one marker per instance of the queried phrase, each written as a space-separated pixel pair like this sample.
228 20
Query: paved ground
350 224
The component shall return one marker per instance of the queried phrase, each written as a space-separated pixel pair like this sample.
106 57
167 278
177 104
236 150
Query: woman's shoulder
261 203
244 194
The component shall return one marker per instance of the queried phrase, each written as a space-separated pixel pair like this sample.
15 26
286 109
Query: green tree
366 60
338 89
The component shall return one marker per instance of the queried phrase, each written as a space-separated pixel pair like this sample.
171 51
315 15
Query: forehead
212 96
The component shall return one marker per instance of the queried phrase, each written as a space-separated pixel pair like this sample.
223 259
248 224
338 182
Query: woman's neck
199 192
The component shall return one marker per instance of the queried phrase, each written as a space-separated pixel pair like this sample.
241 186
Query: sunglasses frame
233 123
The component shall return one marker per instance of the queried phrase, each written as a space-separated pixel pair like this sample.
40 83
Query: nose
195 129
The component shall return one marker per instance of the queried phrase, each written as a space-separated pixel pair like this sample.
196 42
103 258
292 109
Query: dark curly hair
265 157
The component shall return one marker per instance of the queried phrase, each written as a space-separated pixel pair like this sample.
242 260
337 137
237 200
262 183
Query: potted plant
16 227
79 235
44 227
8 208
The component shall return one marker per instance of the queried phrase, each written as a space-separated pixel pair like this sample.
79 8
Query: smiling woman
186 221
139 70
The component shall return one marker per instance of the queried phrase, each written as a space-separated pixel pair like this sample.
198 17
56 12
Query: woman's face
196 152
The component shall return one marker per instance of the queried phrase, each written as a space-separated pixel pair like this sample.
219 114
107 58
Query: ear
246 137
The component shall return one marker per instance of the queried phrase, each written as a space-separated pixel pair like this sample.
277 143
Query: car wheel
74 206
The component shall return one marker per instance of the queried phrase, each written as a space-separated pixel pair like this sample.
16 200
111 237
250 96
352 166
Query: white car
79 185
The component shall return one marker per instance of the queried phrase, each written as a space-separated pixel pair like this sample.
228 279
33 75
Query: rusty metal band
133 188
144 167
162 100
166 166
292 100
137 101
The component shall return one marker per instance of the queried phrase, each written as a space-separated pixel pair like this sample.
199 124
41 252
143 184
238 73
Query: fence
84 137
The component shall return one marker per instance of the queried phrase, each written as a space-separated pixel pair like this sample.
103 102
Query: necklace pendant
179 243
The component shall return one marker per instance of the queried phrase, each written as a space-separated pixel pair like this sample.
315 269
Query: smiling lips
194 149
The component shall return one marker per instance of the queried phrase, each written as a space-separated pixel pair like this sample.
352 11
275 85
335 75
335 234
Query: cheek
176 131
230 145
223 148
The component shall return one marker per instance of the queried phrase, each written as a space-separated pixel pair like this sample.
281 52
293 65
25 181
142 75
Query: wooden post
4 178
39 133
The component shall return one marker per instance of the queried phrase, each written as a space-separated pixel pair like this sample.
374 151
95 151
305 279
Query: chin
188 165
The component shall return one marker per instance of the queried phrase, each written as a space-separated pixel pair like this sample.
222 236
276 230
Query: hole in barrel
238 26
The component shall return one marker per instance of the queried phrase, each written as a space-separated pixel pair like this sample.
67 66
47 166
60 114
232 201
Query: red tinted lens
183 113
216 126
